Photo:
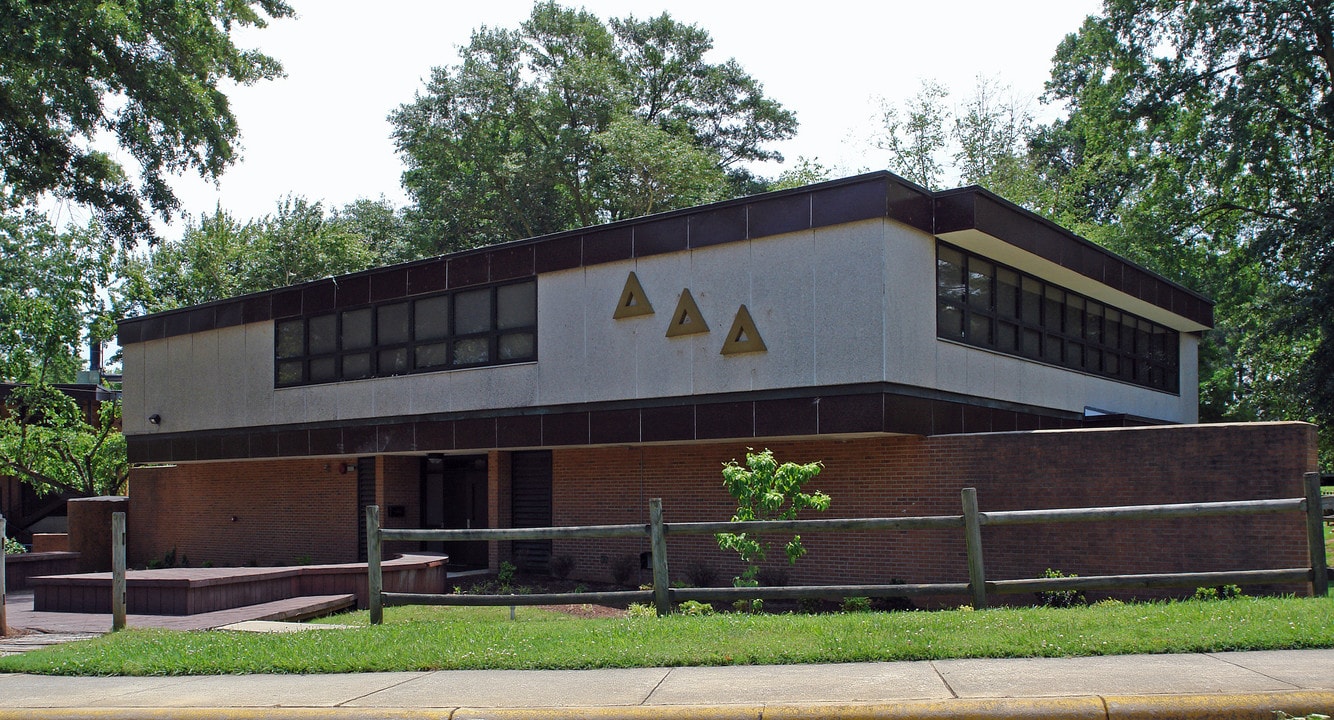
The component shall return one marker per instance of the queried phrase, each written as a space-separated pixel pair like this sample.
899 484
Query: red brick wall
398 483
234 513
915 476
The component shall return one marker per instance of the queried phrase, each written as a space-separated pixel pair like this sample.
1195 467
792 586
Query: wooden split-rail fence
971 521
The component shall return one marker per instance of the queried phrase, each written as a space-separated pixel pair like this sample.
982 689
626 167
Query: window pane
516 306
1074 354
516 346
323 334
1031 301
290 340
431 320
435 355
1007 293
979 283
949 321
323 369
1111 363
391 324
1052 349
289 373
949 274
1032 344
979 329
1007 337
356 330
356 365
1093 325
1074 316
472 312
1053 308
1111 329
393 362
471 351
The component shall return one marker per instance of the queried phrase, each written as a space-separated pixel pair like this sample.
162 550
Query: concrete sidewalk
1231 685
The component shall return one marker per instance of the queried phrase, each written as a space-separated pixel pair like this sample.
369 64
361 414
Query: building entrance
454 496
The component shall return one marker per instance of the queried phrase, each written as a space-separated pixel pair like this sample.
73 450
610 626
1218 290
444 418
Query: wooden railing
971 521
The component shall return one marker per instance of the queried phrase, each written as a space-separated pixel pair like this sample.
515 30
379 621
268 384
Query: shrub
856 604
14 547
694 607
624 568
701 575
640 610
765 490
1220 592
1060 598
561 566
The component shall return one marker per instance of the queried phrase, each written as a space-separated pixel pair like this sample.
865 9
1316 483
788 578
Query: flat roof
863 197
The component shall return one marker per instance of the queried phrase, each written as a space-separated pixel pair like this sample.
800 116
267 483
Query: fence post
4 627
374 580
972 526
117 571
658 545
1315 535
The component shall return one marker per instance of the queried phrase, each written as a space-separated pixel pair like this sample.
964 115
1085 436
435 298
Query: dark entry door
530 493
454 496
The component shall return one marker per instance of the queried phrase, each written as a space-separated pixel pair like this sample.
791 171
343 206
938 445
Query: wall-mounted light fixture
154 419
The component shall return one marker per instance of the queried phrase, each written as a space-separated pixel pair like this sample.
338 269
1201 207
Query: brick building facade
914 342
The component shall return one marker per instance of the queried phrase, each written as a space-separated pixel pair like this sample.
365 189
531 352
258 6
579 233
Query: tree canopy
568 121
1202 136
147 74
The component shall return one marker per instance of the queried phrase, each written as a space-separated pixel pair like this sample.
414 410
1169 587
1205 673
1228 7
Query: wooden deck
195 591
22 618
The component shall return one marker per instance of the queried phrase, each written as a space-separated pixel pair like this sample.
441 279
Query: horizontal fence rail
1313 506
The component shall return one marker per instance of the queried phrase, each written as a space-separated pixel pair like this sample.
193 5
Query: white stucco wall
847 304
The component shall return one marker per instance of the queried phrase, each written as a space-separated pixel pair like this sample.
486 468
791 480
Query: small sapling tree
765 490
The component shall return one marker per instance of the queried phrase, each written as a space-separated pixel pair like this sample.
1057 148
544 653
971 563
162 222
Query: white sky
321 132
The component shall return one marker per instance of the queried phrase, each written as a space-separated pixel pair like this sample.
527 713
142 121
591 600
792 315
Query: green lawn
419 638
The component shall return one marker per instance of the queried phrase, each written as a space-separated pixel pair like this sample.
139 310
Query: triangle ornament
686 319
743 337
634 301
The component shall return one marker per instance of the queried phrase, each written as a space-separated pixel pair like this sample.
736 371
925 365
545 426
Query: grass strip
421 638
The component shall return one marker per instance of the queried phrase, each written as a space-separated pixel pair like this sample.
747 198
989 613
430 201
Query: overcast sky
321 132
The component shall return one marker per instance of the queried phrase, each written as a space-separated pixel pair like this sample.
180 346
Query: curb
1241 706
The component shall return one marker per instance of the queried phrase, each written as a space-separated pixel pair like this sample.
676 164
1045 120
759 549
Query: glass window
1007 293
1030 300
357 330
949 275
432 356
290 341
979 329
471 351
393 362
356 366
391 324
516 306
464 328
949 321
1052 309
289 372
1093 322
472 312
980 273
1074 316
323 369
1007 337
323 334
517 346
431 318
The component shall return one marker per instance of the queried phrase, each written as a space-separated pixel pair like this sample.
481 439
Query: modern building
914 341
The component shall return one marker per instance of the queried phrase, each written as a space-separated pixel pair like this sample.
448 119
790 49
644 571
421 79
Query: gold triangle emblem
634 302
744 337
686 319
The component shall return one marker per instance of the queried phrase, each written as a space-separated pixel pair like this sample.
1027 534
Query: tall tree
221 257
146 73
1204 131
567 121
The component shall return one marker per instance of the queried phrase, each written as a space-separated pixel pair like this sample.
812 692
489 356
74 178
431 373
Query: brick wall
234 513
915 476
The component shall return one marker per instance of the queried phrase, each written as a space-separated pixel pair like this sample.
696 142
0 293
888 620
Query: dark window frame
410 346
1137 350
